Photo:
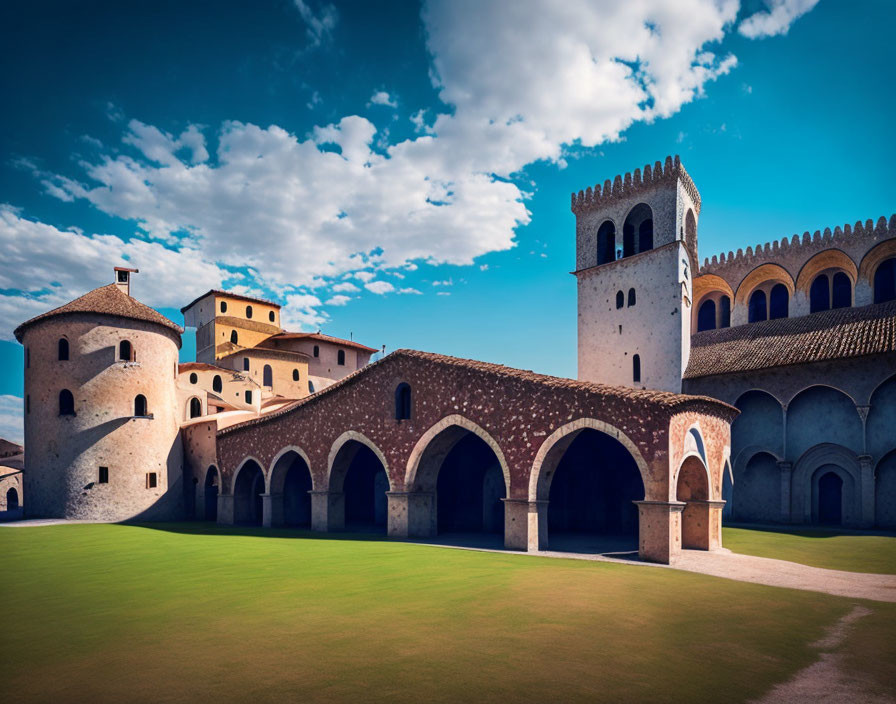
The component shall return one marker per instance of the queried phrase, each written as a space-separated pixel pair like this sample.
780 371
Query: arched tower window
267 375
778 302
620 299
223 306
606 243
841 291
140 405
340 358
295 374
217 384
195 408
885 281
125 351
63 349
724 312
194 378
631 297
66 403
316 351
271 316
758 310
706 316
248 311
636 368
819 294
234 338
403 401
637 231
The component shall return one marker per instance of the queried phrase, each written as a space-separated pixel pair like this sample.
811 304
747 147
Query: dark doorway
469 489
365 488
247 501
290 484
830 499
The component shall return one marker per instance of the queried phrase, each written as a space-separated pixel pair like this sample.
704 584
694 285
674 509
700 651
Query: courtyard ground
171 613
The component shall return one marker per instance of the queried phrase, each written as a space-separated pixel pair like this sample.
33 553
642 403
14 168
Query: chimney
123 278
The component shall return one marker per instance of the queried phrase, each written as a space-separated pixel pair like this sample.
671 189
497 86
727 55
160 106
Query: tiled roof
665 399
322 338
833 334
8 448
199 367
229 294
106 300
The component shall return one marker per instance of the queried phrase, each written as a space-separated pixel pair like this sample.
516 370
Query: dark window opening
628 240
66 403
140 406
103 476
310 386
195 408
757 308
706 316
819 294
248 397
223 306
194 378
12 500
778 302
63 350
636 368
217 384
233 337
245 364
841 291
340 358
316 351
403 402
295 374
248 311
125 352
271 316
645 236
637 231
885 281
631 297
122 277
152 480
830 499
267 375
606 243
620 299
725 312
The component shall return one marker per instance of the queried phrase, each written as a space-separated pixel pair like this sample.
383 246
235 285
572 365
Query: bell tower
636 254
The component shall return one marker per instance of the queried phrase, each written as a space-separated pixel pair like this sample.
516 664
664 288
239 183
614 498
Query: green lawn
819 548
106 613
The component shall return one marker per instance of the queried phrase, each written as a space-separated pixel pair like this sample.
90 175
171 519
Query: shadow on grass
809 531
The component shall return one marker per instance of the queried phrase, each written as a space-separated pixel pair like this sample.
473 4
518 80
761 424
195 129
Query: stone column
866 491
327 511
786 474
225 509
538 525
516 523
272 510
659 530
701 527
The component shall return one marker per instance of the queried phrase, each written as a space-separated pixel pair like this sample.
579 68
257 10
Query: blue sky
402 173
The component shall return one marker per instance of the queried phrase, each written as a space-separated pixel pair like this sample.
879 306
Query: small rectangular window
151 480
104 475
248 397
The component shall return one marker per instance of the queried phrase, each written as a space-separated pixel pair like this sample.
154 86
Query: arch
765 274
140 406
706 316
821 411
195 407
711 283
823 262
125 351
760 423
694 445
247 489
249 311
882 419
294 449
211 485
217 384
606 242
66 403
690 233
692 486
637 230
885 281
874 257
620 299
234 338
62 349
814 464
247 459
631 297
12 499
289 482
778 302
194 378
339 443
340 358
358 475
403 401
758 308
267 376
885 491
757 477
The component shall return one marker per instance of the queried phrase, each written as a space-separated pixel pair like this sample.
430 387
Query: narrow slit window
636 368
103 475
152 480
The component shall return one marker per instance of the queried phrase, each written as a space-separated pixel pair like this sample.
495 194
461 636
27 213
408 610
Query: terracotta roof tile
322 338
106 300
833 334
229 294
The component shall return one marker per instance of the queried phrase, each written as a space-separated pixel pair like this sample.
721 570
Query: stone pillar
866 491
786 473
659 530
701 525
327 511
538 525
272 510
516 523
225 509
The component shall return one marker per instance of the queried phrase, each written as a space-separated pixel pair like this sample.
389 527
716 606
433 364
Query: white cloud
379 287
345 287
483 267
321 25
381 97
412 291
364 276
443 293
446 282
301 311
338 300
11 421
775 19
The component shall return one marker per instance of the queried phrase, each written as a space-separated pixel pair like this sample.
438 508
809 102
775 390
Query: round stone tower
101 415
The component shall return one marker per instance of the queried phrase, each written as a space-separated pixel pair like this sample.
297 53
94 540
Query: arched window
12 500
140 405
195 408
841 291
245 364
248 311
637 231
403 402
63 350
267 375
310 386
606 243
340 358
706 316
620 299
757 308
217 384
820 294
233 337
248 396
271 316
631 297
724 312
295 374
223 306
316 351
885 281
194 378
636 368
125 351
66 403
778 302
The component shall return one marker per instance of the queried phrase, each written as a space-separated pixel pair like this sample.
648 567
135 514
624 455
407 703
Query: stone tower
636 254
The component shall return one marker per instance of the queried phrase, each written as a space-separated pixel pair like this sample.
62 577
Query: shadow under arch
815 463
357 483
247 489
289 483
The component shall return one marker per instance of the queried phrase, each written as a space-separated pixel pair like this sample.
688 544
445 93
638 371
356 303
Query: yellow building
229 322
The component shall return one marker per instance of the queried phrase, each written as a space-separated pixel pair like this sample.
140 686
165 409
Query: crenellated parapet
789 250
634 183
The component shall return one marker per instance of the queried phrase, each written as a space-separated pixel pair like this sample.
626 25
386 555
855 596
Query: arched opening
210 494
271 316
885 281
12 500
66 403
881 420
758 490
727 493
247 492
760 423
403 401
839 423
829 498
140 409
195 407
267 375
690 234
819 294
724 312
757 310
217 384
620 299
340 358
63 350
606 243
636 369
885 492
778 302
194 378
125 351
706 316
223 306
693 489
632 299
841 291
637 231
290 484
295 374
359 474
234 338
590 481
248 311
